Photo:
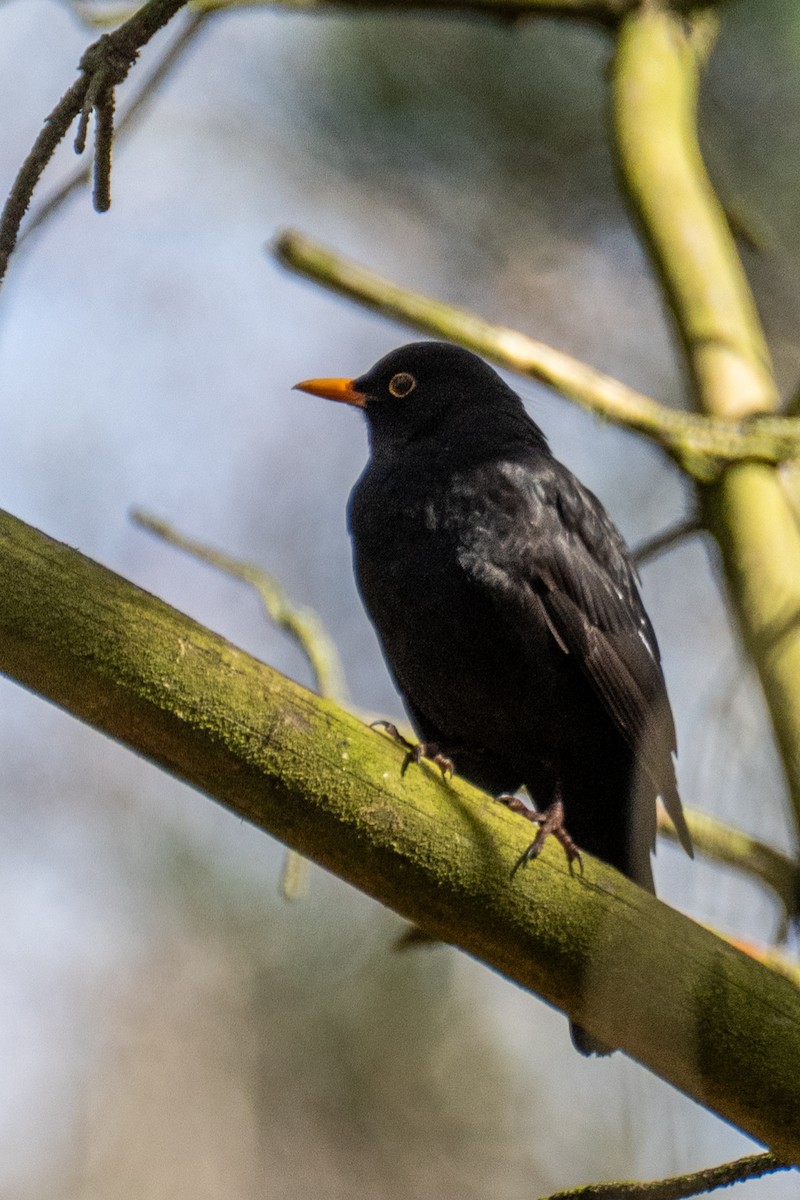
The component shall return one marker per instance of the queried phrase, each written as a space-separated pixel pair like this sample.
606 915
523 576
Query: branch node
105 64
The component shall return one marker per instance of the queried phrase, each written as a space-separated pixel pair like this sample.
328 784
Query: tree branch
104 65
302 625
656 545
133 113
701 445
655 100
726 1030
656 82
723 844
679 1186
711 838
606 14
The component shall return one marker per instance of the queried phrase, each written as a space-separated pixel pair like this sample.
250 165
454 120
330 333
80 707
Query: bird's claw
416 751
445 765
551 823
394 733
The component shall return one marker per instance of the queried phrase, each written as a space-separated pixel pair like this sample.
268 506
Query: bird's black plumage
507 606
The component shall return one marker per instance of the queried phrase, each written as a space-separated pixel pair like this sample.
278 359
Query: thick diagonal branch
726 1030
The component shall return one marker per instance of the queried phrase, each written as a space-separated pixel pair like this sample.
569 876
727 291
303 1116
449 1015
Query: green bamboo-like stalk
655 119
656 82
725 1030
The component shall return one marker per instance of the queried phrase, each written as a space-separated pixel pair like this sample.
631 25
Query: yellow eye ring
401 384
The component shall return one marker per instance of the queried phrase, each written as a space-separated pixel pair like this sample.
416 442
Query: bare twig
55 129
104 65
103 140
653 546
303 626
606 14
702 445
721 843
135 110
679 1186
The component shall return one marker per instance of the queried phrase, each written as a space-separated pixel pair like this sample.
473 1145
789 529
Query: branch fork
105 65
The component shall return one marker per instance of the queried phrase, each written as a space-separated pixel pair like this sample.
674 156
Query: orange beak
333 389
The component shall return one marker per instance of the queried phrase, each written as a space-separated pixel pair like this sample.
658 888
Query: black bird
506 603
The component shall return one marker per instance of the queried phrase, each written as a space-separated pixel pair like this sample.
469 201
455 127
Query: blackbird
507 607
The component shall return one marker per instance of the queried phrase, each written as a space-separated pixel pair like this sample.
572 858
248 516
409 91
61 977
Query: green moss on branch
726 1030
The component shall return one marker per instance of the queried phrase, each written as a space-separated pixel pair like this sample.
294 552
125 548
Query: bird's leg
417 750
550 822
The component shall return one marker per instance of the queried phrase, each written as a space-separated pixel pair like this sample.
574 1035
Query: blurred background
169 1025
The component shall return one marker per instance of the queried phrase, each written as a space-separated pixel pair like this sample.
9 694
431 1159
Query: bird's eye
400 385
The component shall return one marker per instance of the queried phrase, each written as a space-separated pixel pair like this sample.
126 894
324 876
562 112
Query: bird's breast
453 659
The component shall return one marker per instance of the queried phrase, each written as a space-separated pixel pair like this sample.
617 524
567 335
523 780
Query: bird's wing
561 559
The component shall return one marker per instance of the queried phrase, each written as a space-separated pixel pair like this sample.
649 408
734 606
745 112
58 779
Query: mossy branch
726 1030
701 445
656 76
303 627
655 88
711 837
302 624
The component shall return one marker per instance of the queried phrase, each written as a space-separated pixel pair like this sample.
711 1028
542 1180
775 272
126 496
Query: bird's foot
416 751
551 823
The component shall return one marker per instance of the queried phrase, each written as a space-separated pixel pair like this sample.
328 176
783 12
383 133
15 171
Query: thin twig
133 113
680 1186
103 141
723 844
606 14
304 627
702 445
55 128
302 624
103 66
653 546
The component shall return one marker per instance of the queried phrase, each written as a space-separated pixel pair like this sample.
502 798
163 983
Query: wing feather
565 555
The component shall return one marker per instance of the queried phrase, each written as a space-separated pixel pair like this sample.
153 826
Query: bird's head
423 386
